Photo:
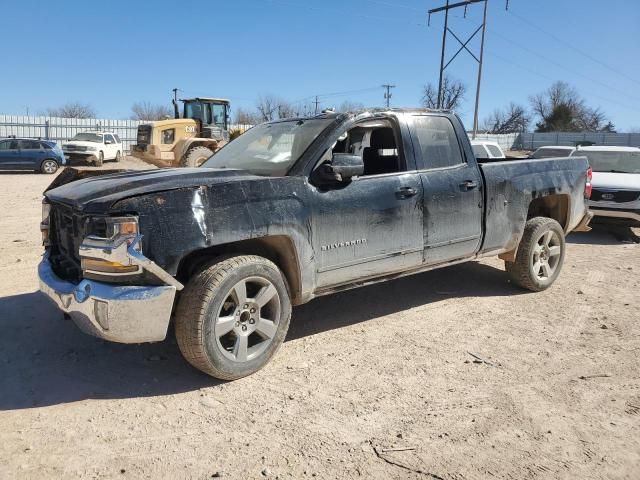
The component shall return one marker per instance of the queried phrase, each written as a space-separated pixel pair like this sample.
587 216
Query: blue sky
111 54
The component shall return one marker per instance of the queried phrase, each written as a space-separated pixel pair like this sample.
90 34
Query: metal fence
63 129
506 141
531 141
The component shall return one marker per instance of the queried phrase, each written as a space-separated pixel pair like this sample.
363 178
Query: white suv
94 147
615 198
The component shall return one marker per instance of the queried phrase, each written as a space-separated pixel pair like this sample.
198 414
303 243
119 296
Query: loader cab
209 112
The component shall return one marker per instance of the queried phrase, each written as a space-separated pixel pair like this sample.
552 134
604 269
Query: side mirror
108 142
342 168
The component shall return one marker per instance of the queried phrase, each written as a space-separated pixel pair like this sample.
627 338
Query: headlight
91 149
104 250
44 224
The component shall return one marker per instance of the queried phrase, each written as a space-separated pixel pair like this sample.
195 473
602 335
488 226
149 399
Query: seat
381 156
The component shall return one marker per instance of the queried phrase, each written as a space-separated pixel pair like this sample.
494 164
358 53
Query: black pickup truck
291 210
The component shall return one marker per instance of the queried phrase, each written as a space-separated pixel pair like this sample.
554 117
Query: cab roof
205 99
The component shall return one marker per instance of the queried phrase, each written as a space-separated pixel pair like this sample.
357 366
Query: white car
553 151
615 197
484 150
93 147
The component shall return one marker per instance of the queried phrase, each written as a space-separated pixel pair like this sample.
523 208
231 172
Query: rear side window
479 151
46 146
437 142
117 138
29 145
495 151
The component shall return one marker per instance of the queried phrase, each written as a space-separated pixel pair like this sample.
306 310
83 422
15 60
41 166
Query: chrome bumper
623 214
124 314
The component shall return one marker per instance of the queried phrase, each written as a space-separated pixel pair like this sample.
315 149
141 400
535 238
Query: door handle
468 185
407 192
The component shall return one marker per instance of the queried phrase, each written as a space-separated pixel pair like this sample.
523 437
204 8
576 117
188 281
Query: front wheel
100 159
233 316
540 255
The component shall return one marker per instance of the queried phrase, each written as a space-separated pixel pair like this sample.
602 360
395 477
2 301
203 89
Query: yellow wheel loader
187 141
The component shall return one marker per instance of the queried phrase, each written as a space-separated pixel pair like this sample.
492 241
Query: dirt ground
465 375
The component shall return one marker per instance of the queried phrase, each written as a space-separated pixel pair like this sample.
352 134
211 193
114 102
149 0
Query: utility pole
176 113
316 102
387 93
463 46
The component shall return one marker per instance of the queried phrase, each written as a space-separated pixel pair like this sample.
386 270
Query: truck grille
620 196
66 231
75 148
144 135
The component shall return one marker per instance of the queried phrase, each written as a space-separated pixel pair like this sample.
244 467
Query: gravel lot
465 375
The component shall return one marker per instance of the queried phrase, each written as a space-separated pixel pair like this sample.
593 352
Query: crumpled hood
616 181
99 193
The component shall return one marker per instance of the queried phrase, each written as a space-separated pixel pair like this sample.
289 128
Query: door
9 154
453 190
372 225
30 156
110 147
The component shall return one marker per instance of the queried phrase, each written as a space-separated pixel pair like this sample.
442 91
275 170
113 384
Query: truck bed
510 187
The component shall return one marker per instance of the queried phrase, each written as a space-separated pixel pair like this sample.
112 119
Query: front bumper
124 314
618 217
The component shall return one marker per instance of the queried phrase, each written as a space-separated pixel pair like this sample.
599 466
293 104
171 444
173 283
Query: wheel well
551 206
278 248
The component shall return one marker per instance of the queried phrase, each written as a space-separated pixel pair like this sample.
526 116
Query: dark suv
28 154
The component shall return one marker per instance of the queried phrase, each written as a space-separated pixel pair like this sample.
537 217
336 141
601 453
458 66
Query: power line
563 67
541 75
574 48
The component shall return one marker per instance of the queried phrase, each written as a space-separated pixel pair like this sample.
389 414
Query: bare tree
350 106
267 107
149 111
72 110
562 108
453 92
513 119
243 116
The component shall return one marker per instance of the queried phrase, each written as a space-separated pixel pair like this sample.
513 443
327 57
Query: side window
46 146
4 145
495 151
168 136
479 151
29 145
437 141
109 138
117 138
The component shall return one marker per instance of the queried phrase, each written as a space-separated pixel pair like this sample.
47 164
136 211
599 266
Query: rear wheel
117 156
49 166
540 255
233 316
196 157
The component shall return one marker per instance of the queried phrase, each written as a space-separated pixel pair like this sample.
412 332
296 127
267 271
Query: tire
196 157
117 159
215 315
100 159
49 166
540 255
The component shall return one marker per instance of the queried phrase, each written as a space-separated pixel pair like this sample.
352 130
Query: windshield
552 152
618 162
88 137
269 149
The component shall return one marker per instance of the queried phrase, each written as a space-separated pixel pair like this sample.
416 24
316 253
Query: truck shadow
600 235
45 360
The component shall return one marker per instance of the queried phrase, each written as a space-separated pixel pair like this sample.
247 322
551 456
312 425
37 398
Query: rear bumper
124 314
583 226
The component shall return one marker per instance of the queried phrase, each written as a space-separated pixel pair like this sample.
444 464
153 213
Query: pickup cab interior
376 142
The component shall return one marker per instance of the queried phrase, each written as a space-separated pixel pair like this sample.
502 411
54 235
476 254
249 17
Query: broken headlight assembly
44 223
105 249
